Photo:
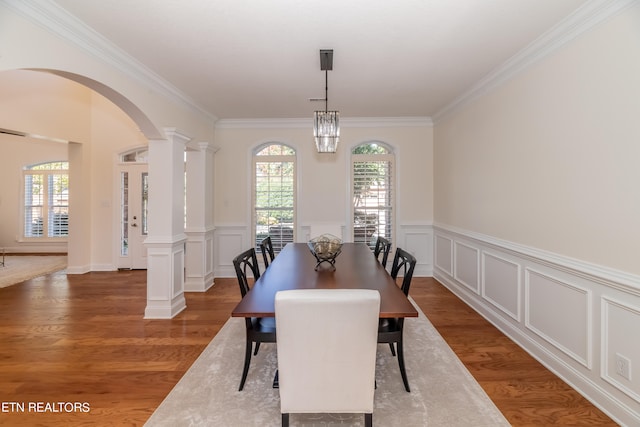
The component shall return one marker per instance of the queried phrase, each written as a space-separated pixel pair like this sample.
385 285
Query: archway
95 122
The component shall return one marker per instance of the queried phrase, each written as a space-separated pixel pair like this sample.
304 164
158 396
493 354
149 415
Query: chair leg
368 420
393 350
402 370
247 361
285 420
257 348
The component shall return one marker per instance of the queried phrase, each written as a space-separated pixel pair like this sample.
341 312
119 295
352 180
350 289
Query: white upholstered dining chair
326 346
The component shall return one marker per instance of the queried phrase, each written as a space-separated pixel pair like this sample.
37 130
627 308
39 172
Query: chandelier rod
326 91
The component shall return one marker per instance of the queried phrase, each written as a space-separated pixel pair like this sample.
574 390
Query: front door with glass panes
134 185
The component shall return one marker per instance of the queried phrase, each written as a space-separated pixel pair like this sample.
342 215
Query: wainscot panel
466 261
580 320
619 349
560 313
444 254
417 239
230 240
501 284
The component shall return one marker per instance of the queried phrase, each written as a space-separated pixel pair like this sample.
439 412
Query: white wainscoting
310 231
466 262
617 341
232 239
560 313
417 239
576 318
501 284
229 240
444 254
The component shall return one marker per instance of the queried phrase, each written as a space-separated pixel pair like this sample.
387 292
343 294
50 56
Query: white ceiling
256 59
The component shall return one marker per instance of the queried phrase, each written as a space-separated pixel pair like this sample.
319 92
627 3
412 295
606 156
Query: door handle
134 225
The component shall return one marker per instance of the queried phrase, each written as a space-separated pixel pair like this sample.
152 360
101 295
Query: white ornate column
200 228
166 239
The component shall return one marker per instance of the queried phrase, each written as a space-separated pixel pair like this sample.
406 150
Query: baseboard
78 269
198 284
103 267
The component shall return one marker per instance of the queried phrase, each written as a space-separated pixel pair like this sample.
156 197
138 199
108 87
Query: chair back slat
246 261
406 262
383 246
266 247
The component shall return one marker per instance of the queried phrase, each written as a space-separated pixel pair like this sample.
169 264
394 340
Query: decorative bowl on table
325 248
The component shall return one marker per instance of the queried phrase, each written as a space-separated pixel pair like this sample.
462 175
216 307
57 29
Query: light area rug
18 268
443 392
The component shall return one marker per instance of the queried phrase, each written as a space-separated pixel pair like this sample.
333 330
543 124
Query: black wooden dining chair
266 247
390 330
258 330
383 246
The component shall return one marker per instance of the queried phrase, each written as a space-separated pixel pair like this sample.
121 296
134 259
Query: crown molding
583 19
380 122
345 122
263 123
53 18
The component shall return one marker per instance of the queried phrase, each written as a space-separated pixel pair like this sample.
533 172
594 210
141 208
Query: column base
165 278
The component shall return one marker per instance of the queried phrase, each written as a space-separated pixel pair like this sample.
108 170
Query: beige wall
49 105
55 107
41 104
112 132
550 158
323 179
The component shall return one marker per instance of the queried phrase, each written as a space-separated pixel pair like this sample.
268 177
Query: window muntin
46 200
274 198
373 193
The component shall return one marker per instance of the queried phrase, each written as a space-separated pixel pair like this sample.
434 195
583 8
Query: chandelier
326 124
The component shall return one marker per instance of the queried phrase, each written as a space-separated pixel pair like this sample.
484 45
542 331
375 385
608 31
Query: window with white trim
274 200
46 201
372 192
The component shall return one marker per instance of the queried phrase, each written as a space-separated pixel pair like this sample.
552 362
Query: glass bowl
325 248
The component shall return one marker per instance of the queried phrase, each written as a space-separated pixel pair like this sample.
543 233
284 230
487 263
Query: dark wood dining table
295 268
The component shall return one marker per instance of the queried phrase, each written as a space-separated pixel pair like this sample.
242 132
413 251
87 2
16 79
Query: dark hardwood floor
72 344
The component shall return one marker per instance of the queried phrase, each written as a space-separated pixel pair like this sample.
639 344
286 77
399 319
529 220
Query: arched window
136 155
372 192
274 194
46 200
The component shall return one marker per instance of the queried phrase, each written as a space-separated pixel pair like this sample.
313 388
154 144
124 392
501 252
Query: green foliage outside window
274 194
368 174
